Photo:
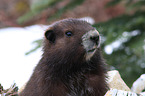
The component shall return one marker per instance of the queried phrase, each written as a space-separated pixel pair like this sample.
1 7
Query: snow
15 66
88 19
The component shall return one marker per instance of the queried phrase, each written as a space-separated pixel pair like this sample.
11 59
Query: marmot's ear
50 35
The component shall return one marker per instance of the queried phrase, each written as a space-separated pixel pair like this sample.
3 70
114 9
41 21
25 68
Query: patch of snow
15 66
88 19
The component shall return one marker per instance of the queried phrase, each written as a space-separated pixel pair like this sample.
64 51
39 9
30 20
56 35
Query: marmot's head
72 38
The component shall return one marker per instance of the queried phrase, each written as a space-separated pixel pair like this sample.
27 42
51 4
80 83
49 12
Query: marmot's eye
68 33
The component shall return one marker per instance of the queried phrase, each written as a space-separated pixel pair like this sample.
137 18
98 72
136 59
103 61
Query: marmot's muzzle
90 42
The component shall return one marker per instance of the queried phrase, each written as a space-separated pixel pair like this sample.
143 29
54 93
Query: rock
139 85
115 92
142 93
115 81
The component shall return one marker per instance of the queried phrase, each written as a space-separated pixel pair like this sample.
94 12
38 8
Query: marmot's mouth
92 50
91 42
90 53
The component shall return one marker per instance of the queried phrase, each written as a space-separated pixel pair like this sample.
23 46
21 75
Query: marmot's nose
95 38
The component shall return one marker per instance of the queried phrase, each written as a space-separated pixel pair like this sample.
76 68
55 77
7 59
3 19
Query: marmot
71 65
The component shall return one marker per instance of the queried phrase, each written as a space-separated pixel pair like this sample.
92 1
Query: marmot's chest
79 86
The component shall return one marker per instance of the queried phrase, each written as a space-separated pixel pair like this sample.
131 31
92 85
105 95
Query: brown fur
63 69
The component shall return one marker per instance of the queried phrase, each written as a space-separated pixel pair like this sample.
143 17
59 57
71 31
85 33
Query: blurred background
121 24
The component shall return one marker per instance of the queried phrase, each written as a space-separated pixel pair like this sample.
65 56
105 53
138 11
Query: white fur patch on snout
88 44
